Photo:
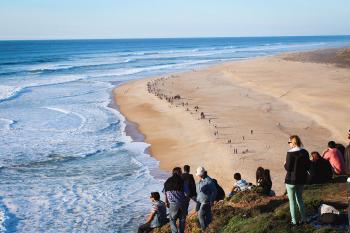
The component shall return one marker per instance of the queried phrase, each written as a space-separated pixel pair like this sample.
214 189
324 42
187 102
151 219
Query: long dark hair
267 176
259 174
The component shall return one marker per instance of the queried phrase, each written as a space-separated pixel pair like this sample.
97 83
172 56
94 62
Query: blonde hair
295 139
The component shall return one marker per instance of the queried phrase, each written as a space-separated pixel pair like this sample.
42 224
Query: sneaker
292 225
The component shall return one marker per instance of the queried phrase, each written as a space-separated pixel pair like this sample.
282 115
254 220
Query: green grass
252 212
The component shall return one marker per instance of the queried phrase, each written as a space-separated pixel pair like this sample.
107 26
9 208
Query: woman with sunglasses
297 164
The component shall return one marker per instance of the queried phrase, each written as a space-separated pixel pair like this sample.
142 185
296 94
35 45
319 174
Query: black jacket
174 183
297 164
189 184
347 159
320 172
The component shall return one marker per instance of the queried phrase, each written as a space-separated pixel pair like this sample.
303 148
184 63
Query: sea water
66 163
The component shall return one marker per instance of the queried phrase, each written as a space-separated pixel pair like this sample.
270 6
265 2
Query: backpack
328 214
220 192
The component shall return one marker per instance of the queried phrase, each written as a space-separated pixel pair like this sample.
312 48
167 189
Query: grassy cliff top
252 212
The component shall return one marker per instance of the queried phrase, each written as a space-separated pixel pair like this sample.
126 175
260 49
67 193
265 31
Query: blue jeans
204 215
295 193
177 211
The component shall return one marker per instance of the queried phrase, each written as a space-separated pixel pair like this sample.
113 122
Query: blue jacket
206 190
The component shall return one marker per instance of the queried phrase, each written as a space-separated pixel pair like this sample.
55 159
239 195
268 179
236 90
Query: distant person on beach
176 201
335 158
206 194
297 164
157 217
320 170
347 156
239 185
189 184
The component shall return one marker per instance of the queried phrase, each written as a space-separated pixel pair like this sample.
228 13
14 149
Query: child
240 185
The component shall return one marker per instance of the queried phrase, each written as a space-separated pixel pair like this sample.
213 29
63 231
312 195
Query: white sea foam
84 170
2 220
6 92
65 111
6 124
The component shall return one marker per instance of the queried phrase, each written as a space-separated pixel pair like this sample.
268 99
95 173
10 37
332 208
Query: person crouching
157 217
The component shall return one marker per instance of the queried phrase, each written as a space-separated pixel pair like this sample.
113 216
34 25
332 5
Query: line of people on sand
156 87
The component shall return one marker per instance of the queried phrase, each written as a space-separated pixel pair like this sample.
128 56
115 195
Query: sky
78 19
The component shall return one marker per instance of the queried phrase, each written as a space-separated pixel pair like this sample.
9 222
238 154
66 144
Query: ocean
66 162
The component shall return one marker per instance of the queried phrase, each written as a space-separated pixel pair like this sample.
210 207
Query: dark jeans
144 228
204 215
177 211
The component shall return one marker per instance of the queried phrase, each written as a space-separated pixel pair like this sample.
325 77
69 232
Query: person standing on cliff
297 164
189 184
206 194
176 201
347 156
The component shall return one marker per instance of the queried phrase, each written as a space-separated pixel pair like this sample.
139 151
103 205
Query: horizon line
154 38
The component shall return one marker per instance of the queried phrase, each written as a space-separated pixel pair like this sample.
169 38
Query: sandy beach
249 106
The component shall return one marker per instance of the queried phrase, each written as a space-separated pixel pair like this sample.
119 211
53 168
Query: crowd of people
180 188
301 169
157 87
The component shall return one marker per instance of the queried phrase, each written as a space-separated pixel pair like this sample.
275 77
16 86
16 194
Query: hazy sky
47 19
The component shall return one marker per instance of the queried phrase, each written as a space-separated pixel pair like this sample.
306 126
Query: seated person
320 170
265 182
335 158
240 185
157 216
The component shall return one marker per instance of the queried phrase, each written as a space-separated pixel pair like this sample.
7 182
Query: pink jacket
336 160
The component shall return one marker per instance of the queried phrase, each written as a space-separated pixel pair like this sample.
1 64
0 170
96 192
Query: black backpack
220 192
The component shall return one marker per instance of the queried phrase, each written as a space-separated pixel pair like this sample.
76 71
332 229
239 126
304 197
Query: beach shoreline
256 118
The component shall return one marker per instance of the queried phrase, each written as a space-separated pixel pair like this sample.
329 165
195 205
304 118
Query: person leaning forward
176 201
206 194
